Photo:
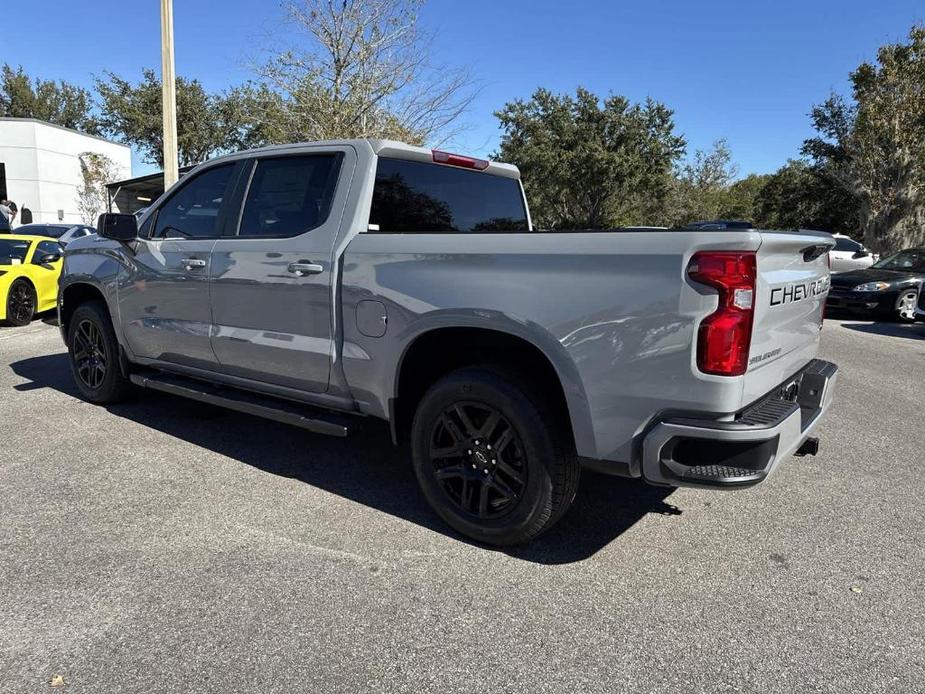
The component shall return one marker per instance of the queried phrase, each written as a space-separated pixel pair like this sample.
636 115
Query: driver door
164 295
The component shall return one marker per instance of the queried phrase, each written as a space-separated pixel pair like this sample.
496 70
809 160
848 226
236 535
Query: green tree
874 145
701 189
58 102
588 163
802 196
742 198
207 123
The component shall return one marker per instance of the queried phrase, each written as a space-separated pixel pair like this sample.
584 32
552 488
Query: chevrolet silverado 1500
322 282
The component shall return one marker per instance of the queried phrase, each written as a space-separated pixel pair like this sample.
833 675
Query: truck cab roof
384 148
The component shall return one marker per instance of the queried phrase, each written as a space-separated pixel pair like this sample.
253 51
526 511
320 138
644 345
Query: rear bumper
682 451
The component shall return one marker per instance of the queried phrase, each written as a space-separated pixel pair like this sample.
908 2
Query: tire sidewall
9 296
112 380
488 388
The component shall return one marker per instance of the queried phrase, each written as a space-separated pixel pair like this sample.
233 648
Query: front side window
13 252
289 196
193 211
412 196
912 260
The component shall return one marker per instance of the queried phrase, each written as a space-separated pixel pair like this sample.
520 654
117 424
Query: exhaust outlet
809 447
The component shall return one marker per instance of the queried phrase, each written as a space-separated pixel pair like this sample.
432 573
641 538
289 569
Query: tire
491 457
93 353
20 303
905 305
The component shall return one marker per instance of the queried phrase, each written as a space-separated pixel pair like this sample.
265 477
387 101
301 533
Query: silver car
63 233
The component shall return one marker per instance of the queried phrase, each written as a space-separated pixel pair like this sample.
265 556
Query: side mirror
860 254
118 227
49 258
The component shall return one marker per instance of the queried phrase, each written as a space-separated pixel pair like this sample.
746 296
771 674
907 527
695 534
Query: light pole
169 98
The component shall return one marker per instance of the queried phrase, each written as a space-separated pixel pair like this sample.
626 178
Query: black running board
303 416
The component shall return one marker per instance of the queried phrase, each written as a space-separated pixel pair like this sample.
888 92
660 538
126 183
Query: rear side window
289 195
193 211
412 196
847 245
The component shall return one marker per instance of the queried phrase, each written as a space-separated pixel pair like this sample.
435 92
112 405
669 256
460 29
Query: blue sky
748 71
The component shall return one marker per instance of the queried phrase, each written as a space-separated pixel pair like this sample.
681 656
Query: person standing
8 211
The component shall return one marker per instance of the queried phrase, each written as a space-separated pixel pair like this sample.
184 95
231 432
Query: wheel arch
72 296
538 355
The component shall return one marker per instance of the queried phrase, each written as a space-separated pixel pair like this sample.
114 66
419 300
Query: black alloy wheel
479 460
20 303
89 354
493 455
94 355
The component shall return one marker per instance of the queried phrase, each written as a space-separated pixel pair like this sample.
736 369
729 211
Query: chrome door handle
302 269
191 263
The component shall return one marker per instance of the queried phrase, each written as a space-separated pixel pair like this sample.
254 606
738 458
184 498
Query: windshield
913 261
14 250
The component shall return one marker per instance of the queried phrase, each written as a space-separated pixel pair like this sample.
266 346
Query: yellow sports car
29 270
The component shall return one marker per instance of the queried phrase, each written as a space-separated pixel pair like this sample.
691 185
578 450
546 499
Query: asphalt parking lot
166 546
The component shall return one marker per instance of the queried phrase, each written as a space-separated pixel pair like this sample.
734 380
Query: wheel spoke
452 428
503 440
513 474
483 500
454 451
468 426
503 489
490 424
465 495
450 472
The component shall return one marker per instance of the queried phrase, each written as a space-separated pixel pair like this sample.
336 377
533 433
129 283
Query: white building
40 167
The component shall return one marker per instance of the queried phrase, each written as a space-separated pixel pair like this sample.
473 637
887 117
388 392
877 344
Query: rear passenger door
272 280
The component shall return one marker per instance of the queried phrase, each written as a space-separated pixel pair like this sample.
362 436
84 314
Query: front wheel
491 458
94 355
905 305
20 303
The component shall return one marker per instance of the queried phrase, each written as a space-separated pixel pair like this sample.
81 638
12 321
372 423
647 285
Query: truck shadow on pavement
365 468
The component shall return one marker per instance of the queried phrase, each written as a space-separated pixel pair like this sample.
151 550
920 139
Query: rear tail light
725 336
459 160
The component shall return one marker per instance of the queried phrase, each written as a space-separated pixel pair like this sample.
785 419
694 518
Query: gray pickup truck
319 283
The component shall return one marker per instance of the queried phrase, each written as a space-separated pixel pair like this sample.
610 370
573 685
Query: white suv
848 255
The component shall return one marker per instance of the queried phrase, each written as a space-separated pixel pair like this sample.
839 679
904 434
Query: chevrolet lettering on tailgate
791 293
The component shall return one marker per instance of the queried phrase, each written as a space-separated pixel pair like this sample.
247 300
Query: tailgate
793 281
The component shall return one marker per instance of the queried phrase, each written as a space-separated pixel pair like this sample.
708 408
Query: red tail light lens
725 335
459 160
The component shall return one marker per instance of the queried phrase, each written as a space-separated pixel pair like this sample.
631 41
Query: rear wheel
905 305
491 458
94 355
20 303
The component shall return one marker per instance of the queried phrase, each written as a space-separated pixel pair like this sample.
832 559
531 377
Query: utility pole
169 98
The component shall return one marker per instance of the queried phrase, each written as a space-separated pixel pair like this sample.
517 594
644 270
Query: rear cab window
414 196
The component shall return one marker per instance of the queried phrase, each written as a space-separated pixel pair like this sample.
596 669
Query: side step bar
303 416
